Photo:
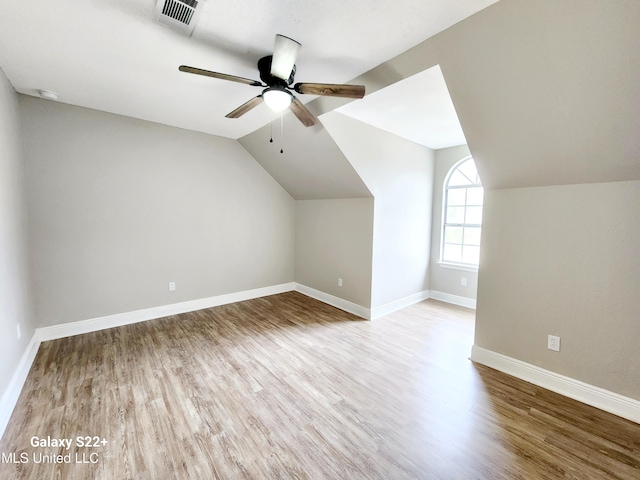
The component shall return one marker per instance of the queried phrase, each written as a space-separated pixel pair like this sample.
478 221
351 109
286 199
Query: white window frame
443 221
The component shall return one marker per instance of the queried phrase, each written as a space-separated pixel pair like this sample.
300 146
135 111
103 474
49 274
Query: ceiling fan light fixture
277 73
48 94
277 99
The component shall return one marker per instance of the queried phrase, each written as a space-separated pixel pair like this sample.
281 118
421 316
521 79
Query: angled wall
311 165
399 173
546 93
119 207
544 90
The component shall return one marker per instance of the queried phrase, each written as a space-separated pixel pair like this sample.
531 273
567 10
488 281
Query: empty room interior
422 264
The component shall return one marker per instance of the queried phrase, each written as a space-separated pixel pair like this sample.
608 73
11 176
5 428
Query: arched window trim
445 189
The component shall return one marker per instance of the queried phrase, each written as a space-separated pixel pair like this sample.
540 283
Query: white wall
119 207
564 260
15 303
399 173
334 240
442 279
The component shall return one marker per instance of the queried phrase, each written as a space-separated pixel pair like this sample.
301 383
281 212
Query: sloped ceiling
311 165
110 55
417 108
546 91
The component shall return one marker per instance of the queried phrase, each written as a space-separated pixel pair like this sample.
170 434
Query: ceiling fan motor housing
264 67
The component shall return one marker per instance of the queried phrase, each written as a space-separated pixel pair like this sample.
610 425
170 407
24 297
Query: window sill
457 266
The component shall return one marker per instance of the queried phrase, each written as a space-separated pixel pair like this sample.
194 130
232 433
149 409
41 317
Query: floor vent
179 15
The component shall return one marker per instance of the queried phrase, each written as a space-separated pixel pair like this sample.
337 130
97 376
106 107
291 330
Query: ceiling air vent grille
180 11
180 15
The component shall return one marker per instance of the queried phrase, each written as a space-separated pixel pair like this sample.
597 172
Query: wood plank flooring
285 387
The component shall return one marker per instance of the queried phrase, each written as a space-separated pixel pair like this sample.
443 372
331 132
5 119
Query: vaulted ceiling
111 55
546 92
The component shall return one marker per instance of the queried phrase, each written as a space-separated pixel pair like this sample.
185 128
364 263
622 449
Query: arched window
462 215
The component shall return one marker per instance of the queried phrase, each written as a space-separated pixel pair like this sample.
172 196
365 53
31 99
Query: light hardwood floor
285 387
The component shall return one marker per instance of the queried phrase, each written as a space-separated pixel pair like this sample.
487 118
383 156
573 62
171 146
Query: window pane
471 236
452 253
468 169
455 214
474 215
456 197
453 235
457 179
464 197
474 195
471 255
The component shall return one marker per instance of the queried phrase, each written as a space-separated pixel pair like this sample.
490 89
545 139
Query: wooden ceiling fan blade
245 107
300 111
221 76
330 90
285 52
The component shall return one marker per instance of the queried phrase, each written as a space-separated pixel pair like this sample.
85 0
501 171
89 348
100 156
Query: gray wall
442 279
399 173
334 240
546 93
564 260
15 305
119 207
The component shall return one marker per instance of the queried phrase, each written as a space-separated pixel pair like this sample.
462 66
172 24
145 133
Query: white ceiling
110 55
417 108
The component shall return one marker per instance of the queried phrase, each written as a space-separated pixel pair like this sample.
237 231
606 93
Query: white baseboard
10 397
110 321
43 334
454 299
11 394
119 319
337 302
391 307
606 400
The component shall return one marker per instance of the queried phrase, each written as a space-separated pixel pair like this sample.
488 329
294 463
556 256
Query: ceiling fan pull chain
281 132
271 138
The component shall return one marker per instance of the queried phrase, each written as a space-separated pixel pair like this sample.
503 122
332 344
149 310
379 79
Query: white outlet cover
18 331
172 286
553 343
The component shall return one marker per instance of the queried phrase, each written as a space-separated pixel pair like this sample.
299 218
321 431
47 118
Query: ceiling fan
277 71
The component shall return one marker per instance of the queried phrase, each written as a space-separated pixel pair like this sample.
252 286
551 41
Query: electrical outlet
172 286
463 281
339 282
553 343
18 331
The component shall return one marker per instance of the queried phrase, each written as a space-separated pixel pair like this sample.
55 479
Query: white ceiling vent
180 15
